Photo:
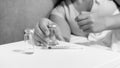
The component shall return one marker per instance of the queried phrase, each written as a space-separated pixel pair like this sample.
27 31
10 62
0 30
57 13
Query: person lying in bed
64 17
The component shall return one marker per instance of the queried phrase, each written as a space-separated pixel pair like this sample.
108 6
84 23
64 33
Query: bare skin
63 30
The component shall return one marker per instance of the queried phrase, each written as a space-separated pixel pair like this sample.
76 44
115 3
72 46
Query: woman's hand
43 33
92 23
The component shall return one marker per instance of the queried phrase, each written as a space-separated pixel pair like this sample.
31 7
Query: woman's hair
59 1
116 2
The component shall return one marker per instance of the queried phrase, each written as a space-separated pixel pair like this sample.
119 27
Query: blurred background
16 15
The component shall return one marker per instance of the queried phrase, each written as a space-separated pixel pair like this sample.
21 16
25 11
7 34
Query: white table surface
81 57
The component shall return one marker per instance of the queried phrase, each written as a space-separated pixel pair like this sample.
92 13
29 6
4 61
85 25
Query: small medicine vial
28 39
28 35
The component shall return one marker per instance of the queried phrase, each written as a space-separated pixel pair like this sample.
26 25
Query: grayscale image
60 33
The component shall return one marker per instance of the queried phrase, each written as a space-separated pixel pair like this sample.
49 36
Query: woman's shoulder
62 6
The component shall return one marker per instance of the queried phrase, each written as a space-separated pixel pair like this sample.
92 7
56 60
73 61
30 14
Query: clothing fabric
100 7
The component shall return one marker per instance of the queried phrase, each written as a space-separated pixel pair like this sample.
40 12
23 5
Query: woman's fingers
43 25
84 22
42 31
37 39
83 16
38 31
87 24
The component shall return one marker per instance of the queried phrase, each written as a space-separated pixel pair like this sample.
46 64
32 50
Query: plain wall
16 15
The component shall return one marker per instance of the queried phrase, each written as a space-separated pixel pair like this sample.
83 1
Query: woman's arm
63 25
58 17
113 22
92 23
